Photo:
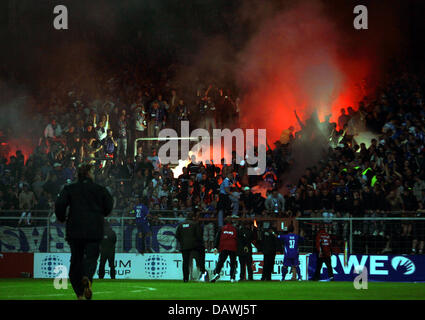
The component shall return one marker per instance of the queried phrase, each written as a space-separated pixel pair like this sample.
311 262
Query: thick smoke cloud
297 61
16 122
281 55
295 55
299 55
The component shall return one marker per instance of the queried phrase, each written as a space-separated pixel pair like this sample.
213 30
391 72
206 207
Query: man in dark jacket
107 251
269 246
245 239
226 242
189 236
323 248
88 204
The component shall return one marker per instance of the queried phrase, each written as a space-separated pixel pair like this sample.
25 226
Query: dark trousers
188 255
84 255
110 257
268 266
144 241
320 261
222 259
245 261
224 203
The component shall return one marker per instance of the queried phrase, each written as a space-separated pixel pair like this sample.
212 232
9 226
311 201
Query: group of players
232 242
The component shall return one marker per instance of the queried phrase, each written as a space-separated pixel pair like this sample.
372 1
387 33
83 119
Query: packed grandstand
371 160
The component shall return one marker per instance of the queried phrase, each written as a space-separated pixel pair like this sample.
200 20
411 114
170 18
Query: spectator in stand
275 203
123 136
154 160
183 114
208 113
89 133
69 173
247 203
157 119
234 198
27 202
101 128
52 131
109 147
141 126
343 119
224 202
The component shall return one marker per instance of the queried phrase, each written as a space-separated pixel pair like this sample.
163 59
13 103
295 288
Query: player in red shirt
324 253
226 242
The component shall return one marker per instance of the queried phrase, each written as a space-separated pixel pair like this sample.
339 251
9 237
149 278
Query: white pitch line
141 289
38 295
144 289
52 294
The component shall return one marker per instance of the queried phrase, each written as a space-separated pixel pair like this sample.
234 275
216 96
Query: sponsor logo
403 265
48 265
395 267
155 267
258 266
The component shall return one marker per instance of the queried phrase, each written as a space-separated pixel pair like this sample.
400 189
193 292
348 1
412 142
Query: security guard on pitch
88 203
269 244
189 235
107 251
246 236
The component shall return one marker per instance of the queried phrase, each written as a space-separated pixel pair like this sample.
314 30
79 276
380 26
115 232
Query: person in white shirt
52 132
140 123
154 159
101 128
49 131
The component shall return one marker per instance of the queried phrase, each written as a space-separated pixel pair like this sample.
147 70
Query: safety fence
367 235
374 234
41 232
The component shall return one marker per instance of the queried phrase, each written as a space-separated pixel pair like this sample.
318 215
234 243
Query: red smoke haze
296 61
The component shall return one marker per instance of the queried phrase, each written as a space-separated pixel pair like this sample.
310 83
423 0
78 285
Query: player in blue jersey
290 244
144 233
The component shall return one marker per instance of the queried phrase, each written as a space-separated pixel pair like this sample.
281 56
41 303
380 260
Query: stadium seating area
355 176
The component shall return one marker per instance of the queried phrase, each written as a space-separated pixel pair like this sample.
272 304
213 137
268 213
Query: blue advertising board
34 239
396 268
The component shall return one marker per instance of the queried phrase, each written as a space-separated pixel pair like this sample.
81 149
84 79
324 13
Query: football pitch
32 289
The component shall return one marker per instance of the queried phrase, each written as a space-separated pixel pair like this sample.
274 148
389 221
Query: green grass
30 289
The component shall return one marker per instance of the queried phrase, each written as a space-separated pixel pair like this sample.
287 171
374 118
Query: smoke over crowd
297 57
278 57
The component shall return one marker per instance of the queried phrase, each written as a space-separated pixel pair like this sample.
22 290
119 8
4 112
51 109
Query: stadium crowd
355 178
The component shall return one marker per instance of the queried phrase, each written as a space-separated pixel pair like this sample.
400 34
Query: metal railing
365 234
361 234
